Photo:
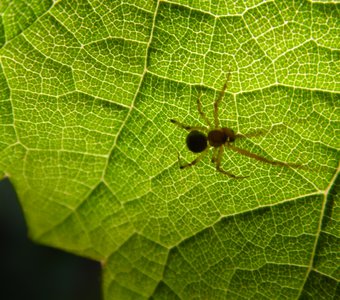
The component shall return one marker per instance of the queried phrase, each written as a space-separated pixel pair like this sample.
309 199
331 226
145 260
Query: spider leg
218 100
187 127
214 156
249 135
261 132
194 162
200 110
218 165
260 158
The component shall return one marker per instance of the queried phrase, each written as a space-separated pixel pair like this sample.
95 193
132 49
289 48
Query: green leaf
87 89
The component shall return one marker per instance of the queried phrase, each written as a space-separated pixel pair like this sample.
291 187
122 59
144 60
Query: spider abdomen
196 141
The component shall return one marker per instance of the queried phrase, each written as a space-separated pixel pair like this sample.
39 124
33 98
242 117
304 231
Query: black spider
200 139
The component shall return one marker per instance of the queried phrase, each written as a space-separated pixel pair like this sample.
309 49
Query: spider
201 139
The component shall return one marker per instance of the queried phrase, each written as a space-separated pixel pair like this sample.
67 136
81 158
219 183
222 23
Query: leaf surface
87 89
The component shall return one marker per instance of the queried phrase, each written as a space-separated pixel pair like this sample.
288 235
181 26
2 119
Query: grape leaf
87 89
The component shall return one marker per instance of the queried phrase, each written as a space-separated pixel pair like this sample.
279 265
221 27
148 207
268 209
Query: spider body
201 139
219 137
196 141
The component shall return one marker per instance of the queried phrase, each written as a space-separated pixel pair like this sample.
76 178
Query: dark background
31 271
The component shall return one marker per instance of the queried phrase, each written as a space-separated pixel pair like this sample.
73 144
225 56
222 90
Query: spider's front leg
263 159
218 100
201 112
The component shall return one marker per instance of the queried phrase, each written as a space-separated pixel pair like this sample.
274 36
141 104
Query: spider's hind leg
218 165
194 162
187 127
214 156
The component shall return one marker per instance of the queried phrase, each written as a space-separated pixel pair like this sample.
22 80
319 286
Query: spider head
196 141
230 134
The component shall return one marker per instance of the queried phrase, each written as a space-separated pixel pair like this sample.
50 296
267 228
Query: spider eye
196 141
